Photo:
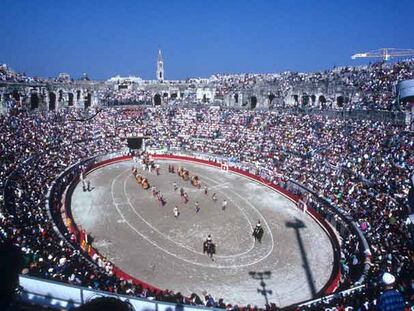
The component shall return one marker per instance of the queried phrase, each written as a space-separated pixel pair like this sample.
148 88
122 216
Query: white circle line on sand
181 244
170 253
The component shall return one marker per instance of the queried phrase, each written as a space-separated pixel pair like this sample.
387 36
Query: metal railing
65 296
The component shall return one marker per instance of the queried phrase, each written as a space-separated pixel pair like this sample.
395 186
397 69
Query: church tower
160 67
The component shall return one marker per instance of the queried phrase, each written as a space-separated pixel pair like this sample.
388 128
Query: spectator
391 299
105 303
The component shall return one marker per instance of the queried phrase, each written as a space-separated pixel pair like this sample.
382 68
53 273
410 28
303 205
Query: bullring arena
206 156
143 238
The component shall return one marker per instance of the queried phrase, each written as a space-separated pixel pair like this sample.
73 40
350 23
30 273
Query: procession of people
148 163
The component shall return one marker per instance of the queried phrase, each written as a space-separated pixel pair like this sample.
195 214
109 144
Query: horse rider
258 232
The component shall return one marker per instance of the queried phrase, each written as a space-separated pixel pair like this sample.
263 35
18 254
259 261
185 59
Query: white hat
388 278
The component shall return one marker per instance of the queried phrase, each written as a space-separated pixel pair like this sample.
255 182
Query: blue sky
197 37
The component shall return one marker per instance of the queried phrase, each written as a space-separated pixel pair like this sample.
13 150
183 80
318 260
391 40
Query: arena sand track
145 240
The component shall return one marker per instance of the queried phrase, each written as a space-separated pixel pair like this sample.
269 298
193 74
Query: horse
180 171
145 184
258 234
194 181
209 248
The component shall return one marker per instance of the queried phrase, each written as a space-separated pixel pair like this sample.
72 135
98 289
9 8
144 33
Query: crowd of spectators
369 87
9 75
130 95
37 147
362 167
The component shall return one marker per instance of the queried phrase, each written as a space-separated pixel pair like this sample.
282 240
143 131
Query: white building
63 77
119 79
204 94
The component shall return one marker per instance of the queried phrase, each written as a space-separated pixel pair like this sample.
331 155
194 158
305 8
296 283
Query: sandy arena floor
145 239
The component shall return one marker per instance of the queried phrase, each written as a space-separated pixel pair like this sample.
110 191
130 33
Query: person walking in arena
197 206
157 169
224 205
176 212
185 197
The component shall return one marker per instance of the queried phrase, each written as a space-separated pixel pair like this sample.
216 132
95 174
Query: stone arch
88 100
16 95
52 101
34 100
313 99
70 98
322 101
78 95
296 99
271 97
305 99
340 100
157 99
253 102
